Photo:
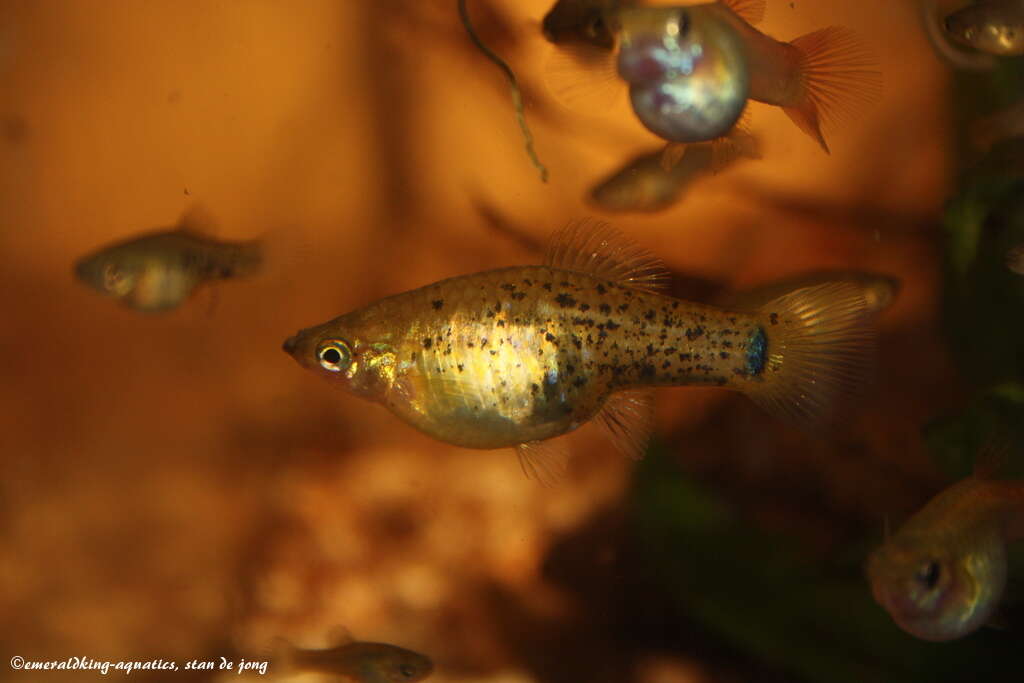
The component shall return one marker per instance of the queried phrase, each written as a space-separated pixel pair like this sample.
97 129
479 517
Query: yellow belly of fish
526 354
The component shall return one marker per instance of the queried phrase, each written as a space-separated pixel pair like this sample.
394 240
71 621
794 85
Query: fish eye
928 574
112 276
334 355
596 27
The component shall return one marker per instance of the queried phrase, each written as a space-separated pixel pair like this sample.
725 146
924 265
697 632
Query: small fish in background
356 661
516 356
938 36
878 291
942 575
158 271
691 70
994 27
1015 259
647 183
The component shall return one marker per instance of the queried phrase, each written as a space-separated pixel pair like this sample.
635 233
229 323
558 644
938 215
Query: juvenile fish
691 69
517 356
942 575
357 661
993 27
647 183
158 271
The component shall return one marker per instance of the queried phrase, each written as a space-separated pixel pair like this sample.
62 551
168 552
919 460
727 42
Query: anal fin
628 417
543 461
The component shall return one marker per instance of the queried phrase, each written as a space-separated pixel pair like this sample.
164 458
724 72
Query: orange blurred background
176 486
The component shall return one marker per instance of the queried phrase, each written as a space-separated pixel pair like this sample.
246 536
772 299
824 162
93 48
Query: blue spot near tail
757 351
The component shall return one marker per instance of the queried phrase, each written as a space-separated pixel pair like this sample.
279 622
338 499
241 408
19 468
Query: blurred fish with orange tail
942 575
158 271
691 70
517 356
355 661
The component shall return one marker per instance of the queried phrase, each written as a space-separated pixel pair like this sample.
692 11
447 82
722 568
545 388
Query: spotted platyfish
690 71
517 356
995 27
942 575
158 271
356 661
647 183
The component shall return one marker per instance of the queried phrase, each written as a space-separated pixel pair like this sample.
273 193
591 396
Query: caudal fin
839 77
817 349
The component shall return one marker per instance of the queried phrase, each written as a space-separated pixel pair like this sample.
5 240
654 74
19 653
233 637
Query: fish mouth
290 344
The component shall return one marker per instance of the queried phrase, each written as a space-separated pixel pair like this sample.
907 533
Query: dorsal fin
339 635
750 11
596 248
197 220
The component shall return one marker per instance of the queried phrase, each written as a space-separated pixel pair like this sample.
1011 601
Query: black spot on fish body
774 318
490 313
726 343
623 308
693 333
605 309
493 352
551 338
669 350
501 323
601 290
427 342
460 366
683 357
508 287
547 286
612 325
650 315
518 296
565 300
528 282
724 355
577 342
584 308
437 304
666 365
579 382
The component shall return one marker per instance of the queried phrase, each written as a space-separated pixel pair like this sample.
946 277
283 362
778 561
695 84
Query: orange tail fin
839 77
